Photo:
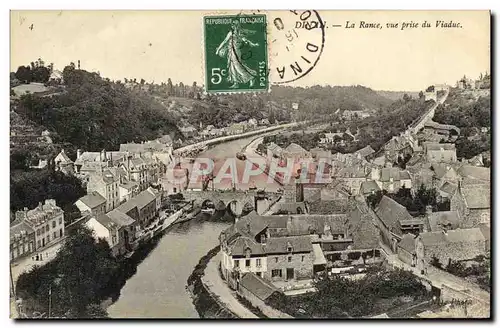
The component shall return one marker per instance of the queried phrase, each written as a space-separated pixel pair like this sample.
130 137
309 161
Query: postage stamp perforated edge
203 63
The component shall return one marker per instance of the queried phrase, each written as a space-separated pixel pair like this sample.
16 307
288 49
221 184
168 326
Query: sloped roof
319 257
477 172
279 245
391 212
408 243
329 206
93 199
64 157
368 150
448 188
390 172
438 220
240 245
477 196
451 236
305 224
295 148
106 221
17 227
433 146
257 286
121 219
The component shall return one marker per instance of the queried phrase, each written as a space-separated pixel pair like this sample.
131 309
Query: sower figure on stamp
230 48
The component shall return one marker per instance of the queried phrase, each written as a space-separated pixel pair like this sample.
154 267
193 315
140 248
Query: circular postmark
296 42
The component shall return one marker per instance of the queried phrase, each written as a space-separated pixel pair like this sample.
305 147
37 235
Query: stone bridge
234 201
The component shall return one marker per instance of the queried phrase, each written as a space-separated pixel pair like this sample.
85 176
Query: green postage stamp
236 53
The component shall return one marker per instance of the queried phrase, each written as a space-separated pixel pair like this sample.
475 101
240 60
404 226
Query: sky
157 45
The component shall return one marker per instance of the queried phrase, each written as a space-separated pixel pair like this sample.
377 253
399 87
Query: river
158 288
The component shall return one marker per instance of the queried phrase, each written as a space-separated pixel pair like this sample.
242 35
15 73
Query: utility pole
50 300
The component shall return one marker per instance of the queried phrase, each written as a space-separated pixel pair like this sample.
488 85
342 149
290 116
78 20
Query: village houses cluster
330 225
123 197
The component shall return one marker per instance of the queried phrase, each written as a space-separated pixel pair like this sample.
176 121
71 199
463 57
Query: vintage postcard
250 164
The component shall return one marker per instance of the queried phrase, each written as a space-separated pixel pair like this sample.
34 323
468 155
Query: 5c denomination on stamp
236 53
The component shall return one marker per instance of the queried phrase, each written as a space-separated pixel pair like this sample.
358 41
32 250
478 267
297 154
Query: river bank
206 303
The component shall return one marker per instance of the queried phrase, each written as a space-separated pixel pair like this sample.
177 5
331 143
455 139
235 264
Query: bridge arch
235 207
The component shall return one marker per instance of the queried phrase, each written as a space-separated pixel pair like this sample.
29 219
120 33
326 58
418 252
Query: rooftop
443 219
451 236
93 200
257 286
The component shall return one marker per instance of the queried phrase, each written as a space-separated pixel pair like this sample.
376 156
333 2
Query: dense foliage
95 113
77 280
305 140
469 113
28 188
35 72
479 272
415 204
340 297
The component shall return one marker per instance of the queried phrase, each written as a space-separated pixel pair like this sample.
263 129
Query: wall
405 256
302 269
269 311
253 264
456 251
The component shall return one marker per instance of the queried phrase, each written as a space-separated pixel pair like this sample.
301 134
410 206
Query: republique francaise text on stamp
236 53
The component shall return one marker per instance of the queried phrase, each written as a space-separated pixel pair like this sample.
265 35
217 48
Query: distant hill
326 100
95 113
397 95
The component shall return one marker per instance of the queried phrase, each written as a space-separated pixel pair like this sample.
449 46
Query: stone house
447 245
394 221
406 249
64 163
143 208
22 239
440 152
93 203
106 183
472 202
391 179
46 220
116 228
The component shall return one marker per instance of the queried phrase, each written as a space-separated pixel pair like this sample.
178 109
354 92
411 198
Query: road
218 287
26 263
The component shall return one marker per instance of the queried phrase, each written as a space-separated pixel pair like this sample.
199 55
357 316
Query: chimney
78 153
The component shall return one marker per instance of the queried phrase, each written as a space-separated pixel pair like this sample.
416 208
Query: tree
23 74
79 277
143 81
421 95
406 97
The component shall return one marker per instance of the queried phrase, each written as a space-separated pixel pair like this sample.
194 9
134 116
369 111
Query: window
259 274
289 249
60 233
276 259
289 259
236 263
247 263
303 258
276 273
39 244
47 227
48 238
60 220
55 235
43 230
258 263
38 232
54 224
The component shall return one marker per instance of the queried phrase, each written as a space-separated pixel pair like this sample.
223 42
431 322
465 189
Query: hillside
326 100
470 110
397 95
95 113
